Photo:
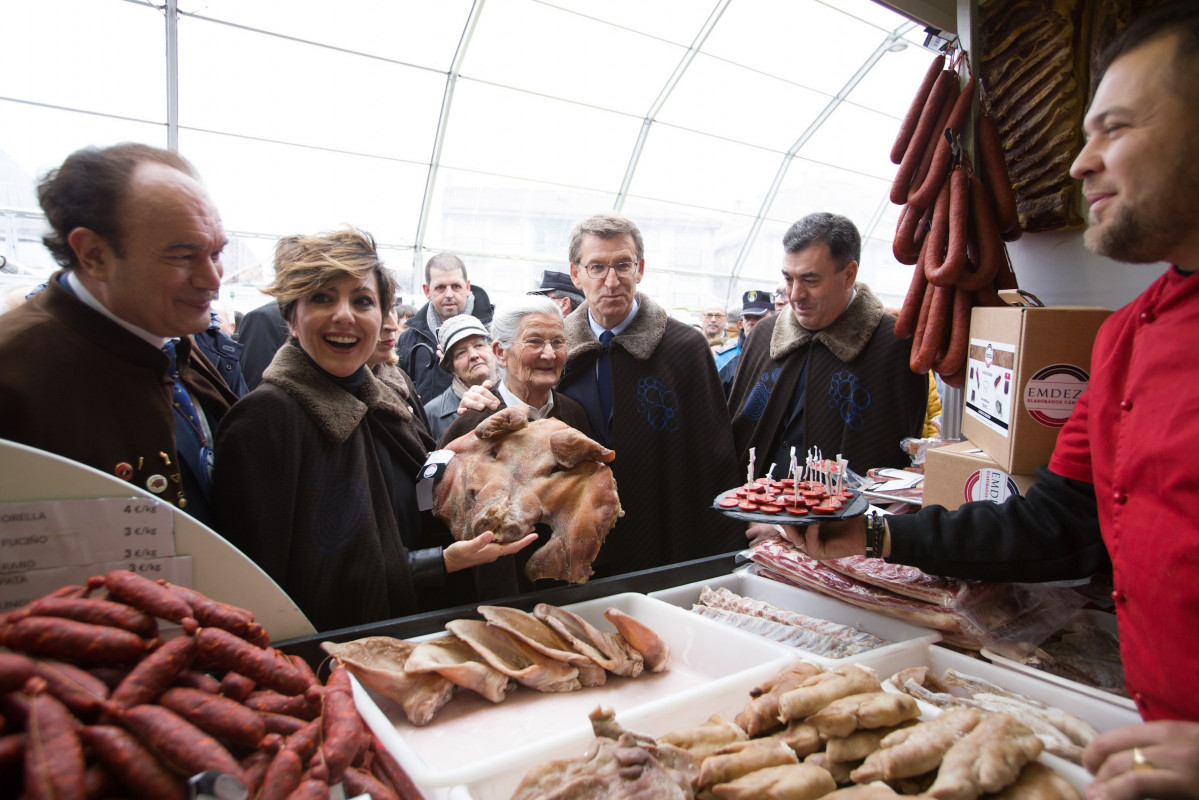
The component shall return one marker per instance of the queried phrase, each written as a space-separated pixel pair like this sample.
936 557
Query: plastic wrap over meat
901 579
782 558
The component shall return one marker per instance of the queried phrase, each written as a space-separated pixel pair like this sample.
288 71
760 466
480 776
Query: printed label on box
1051 393
989 384
990 484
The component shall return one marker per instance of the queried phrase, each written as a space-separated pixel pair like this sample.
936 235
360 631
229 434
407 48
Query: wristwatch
876 531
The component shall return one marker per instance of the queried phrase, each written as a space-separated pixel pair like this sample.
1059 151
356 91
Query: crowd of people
302 441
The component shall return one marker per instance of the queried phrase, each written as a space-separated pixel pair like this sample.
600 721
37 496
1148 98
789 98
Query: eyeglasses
539 344
780 295
623 269
715 316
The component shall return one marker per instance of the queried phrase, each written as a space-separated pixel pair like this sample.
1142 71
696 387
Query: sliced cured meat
378 661
545 640
608 650
641 638
855 641
514 658
457 662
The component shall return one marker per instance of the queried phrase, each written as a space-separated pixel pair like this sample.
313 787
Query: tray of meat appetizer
790 502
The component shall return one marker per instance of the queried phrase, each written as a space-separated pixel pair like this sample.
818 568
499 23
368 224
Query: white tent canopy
485 128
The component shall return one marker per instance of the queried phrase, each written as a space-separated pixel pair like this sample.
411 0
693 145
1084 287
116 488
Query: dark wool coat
861 397
671 434
75 383
302 490
505 577
422 364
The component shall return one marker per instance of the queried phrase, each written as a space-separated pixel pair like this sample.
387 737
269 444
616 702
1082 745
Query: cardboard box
961 473
1027 366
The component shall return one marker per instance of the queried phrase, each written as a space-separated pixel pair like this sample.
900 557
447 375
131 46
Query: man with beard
1122 473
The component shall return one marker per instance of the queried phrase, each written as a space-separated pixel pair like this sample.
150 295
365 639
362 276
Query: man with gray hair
465 348
826 371
450 294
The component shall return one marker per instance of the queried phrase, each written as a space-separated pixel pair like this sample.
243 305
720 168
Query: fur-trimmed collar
845 338
333 409
639 340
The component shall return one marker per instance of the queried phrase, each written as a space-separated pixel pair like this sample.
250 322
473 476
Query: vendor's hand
483 549
760 532
1169 752
479 398
832 539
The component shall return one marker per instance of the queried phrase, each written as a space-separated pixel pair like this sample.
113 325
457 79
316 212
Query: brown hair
88 191
307 264
605 225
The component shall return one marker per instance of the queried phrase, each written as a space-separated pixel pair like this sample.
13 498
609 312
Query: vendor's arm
1051 534
1169 761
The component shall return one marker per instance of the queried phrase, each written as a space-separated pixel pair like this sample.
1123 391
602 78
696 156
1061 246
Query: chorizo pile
93 701
953 224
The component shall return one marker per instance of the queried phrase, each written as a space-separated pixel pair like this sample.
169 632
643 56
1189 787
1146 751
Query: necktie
603 375
190 442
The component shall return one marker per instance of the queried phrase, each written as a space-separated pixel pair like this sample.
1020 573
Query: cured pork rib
819 636
509 474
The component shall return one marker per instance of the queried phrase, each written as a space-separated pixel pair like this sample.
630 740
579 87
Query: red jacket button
1119 498
1118 596
1126 405
1148 316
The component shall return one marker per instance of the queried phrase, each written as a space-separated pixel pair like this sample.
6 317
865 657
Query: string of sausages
94 704
954 221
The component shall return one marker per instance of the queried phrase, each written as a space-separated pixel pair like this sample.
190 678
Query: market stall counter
645 581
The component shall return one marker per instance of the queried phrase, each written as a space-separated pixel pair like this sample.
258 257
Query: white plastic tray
903 635
488 747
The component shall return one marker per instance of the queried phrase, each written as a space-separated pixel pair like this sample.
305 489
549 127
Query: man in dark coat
667 419
827 372
450 294
85 374
263 332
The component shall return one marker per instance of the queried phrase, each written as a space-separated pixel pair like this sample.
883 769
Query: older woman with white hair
529 342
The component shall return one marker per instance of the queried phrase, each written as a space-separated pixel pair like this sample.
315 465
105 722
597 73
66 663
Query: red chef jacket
1135 435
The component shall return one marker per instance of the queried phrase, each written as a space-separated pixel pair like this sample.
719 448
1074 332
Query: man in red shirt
1120 490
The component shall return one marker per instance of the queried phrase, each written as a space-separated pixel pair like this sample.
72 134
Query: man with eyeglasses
826 372
648 383
712 321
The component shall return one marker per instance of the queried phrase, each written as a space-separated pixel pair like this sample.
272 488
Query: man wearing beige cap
464 348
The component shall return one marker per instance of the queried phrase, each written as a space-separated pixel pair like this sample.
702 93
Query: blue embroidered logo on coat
849 397
755 404
659 404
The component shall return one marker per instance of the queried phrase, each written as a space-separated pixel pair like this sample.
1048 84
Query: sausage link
131 763
92 610
953 360
301 706
934 328
908 126
283 724
192 679
253 769
154 673
999 184
991 250
77 689
342 733
904 246
359 781
935 244
12 751
310 789
15 669
305 740
212 613
78 641
943 155
909 312
950 269
215 715
921 323
268 668
236 686
388 770
282 776
923 227
920 138
143 593
180 746
339 679
302 666
53 753
922 172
